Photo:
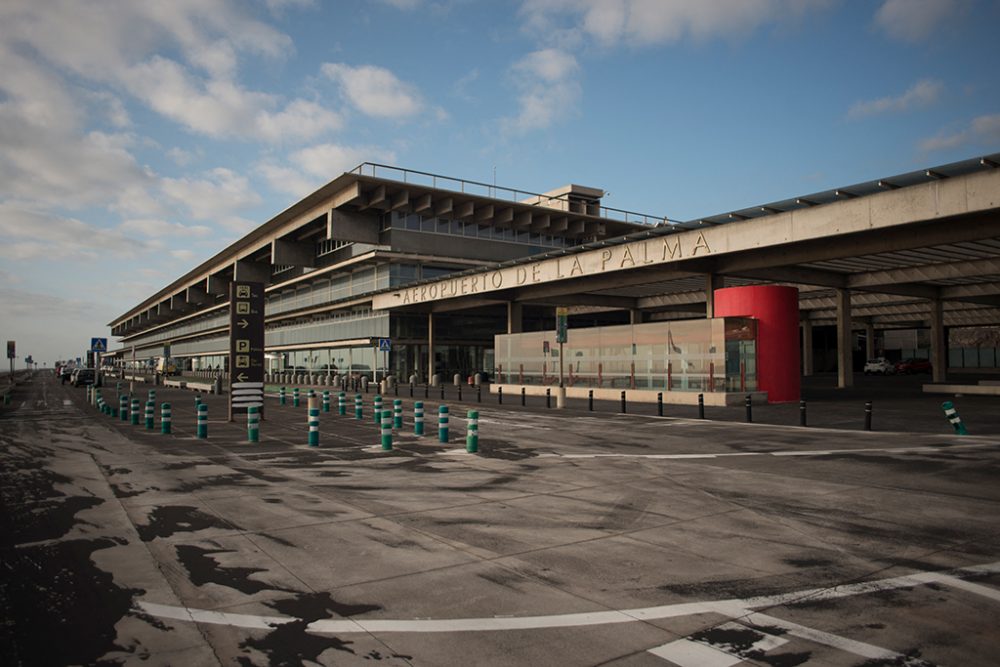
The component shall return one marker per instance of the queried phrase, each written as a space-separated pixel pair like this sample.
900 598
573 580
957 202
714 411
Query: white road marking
979 589
734 608
691 653
812 452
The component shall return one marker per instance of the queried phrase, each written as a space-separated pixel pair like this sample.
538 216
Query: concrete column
430 346
807 348
712 283
634 316
939 342
869 341
845 371
514 317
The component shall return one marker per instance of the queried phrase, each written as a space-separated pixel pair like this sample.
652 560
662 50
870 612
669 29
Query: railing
494 191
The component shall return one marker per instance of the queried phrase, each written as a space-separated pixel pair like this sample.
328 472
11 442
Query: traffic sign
98 344
246 347
10 350
384 344
562 314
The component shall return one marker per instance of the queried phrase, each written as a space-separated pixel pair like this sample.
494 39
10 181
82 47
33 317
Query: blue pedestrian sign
384 344
98 344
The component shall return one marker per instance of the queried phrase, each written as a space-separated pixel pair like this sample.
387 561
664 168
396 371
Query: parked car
879 366
910 366
82 376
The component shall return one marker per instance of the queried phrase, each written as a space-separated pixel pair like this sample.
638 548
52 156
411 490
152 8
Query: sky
138 139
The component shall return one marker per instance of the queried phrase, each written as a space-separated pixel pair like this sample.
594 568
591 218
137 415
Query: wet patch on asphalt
290 643
164 521
203 569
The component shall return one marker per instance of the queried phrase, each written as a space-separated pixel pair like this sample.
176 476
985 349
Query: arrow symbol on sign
242 377
243 324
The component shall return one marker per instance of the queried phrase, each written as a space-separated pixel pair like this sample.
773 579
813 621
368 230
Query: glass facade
691 355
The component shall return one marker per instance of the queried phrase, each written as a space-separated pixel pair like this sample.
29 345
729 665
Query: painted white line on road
731 608
979 589
812 452
698 653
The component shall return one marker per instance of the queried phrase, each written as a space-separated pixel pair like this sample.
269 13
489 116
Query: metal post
548 397
313 424
418 418
386 430
253 423
952 414
427 389
590 400
135 412
522 397
659 404
623 403
443 423
749 409
326 400
411 390
165 419
701 406
359 409
802 413
442 390
202 420
459 391
479 393
472 432
868 415
499 395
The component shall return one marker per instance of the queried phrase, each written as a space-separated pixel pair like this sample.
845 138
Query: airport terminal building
464 277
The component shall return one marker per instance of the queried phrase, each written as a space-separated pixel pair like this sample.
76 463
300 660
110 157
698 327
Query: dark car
910 366
82 376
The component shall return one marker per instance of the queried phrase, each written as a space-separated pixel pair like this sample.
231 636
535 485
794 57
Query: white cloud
916 20
406 5
301 119
920 94
645 22
30 235
983 131
317 165
375 91
215 198
184 254
181 157
155 228
547 89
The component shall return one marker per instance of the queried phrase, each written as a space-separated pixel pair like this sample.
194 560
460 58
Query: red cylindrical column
776 309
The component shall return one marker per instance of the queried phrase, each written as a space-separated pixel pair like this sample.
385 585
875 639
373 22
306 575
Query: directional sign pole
246 347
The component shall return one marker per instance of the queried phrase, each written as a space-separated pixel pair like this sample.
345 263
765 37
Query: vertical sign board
246 347
10 350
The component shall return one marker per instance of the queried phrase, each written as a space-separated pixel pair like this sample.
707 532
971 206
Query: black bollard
623 402
460 392
499 395
590 400
868 415
749 417
802 413
701 406
442 391
548 397
411 390
659 403
395 389
427 389
479 393
522 397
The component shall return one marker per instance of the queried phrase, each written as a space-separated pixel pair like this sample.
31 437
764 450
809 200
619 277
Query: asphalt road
571 538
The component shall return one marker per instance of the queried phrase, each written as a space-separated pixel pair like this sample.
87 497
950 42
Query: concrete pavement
571 538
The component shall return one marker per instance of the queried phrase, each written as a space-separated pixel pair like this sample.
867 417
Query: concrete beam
939 346
349 195
504 216
927 272
217 285
401 200
845 369
291 253
197 295
444 207
348 226
484 215
540 222
255 272
422 203
712 283
601 300
465 210
670 300
375 199
559 225
522 220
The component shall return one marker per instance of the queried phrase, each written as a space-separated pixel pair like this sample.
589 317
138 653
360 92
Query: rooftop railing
493 191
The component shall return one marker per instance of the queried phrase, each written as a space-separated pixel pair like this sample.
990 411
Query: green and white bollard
197 402
326 400
952 414
418 418
341 404
472 432
150 407
359 408
378 409
386 430
314 427
165 419
443 423
135 412
281 396
152 396
123 408
202 420
311 394
253 423
397 414
295 397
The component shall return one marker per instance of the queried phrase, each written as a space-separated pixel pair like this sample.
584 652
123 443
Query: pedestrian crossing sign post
98 344
384 344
